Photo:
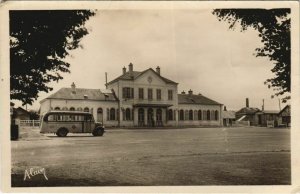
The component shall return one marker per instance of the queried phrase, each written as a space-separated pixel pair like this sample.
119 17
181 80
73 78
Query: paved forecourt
194 156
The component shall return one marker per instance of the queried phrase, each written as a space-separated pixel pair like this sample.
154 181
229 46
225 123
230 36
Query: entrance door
150 117
141 117
159 117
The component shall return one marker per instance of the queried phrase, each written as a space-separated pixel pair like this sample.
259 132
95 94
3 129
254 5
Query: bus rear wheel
62 132
98 131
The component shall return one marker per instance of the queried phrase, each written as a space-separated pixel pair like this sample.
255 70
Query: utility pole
106 80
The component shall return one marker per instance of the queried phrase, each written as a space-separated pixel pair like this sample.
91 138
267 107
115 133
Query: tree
273 26
39 42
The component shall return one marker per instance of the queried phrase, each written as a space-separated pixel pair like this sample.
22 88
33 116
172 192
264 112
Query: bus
63 122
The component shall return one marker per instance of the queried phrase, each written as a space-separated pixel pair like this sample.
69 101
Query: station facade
138 99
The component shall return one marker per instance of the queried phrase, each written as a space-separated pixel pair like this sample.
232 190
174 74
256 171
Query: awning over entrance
152 105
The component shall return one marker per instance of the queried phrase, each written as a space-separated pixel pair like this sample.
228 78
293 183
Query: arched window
127 114
217 115
195 115
64 108
79 109
190 115
57 108
208 115
112 114
186 115
181 115
170 114
100 115
72 109
86 109
199 115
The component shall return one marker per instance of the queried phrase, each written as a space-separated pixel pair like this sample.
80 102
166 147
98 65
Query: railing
29 123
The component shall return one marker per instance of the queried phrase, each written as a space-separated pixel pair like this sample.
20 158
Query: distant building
285 116
138 99
228 117
20 114
258 117
248 114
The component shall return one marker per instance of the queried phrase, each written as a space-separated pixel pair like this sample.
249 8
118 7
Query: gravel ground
196 156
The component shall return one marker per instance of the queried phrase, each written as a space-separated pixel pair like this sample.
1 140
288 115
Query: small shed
228 118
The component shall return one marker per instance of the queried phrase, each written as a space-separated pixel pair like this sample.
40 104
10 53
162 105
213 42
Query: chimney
190 92
158 70
130 67
225 108
73 88
124 70
247 102
106 80
183 92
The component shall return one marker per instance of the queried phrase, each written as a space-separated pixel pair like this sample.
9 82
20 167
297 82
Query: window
170 94
72 109
127 114
150 94
100 115
112 114
190 115
217 115
170 114
199 115
86 109
128 92
208 115
181 115
141 93
158 94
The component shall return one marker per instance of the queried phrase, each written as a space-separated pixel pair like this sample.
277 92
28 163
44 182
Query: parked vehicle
63 122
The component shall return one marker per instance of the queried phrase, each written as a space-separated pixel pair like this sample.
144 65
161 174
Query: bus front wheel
62 132
98 131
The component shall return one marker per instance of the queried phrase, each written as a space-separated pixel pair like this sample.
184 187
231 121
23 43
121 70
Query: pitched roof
248 110
288 107
135 74
80 93
195 99
228 114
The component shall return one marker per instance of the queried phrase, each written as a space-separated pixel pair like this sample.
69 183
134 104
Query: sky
191 47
